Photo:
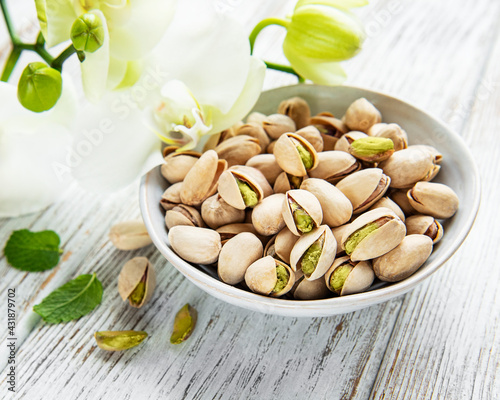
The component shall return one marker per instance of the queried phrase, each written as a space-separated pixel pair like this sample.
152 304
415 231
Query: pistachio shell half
269 277
137 281
304 289
301 211
348 277
434 199
334 166
196 245
177 164
297 109
129 235
424 225
267 217
183 215
295 155
362 115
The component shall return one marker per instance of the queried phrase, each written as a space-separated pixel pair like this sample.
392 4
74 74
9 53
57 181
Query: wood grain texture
440 341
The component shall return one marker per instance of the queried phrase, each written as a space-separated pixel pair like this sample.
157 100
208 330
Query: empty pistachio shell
267 217
129 235
362 115
314 252
297 109
119 340
177 164
390 131
283 244
331 129
337 209
404 260
238 150
201 181
424 225
334 166
301 211
348 277
435 199
269 277
285 182
338 233
295 155
312 135
256 131
184 324
137 281
237 255
364 188
240 190
196 245
304 289
216 212
345 141
231 230
277 124
266 163
372 149
391 205
183 215
373 234
172 196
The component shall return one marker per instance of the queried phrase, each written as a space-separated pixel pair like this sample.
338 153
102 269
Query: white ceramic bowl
458 171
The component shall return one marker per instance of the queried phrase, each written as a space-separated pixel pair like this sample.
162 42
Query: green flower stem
59 60
284 68
261 25
10 64
8 22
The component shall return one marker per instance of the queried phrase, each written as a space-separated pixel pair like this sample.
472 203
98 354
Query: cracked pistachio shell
129 235
404 260
270 249
237 255
285 182
231 230
391 205
399 197
283 244
184 324
334 166
307 202
297 109
256 131
238 150
438 157
214 140
261 277
338 233
337 209
381 240
407 167
331 129
424 225
390 131
304 289
312 135
229 190
277 124
119 340
216 212
201 181
434 199
364 188
256 175
183 215
326 257
177 164
196 245
267 165
362 115
344 143
359 279
137 271
267 217
288 157
172 196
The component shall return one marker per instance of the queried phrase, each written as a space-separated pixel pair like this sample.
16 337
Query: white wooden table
441 341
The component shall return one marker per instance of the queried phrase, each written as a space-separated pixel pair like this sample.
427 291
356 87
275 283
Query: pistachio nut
237 255
391 205
407 167
344 142
390 131
285 182
129 235
269 277
231 230
256 117
201 181
334 166
338 233
267 165
183 215
304 289
399 197
337 208
331 129
267 217
277 124
301 211
364 188
216 212
373 234
137 281
256 176
312 135
424 225
348 277
270 147
119 340
438 157
372 149
295 155
239 190
404 260
214 140
270 249
362 115
434 199
196 245
177 164
297 109
256 131
283 244
238 150
314 252
184 324
172 196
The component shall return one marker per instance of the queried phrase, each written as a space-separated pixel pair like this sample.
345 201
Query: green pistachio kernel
184 323
311 257
358 236
302 220
87 33
119 340
138 294
295 181
305 156
281 278
339 276
371 146
248 194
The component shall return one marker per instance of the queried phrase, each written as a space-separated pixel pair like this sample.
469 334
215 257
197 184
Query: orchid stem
8 22
285 68
10 64
261 25
59 60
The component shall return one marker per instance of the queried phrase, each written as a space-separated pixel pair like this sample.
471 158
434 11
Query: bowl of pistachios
325 200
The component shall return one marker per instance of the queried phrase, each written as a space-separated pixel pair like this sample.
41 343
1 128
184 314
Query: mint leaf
72 300
33 251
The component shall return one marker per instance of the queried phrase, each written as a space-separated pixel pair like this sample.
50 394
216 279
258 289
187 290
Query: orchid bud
87 33
39 87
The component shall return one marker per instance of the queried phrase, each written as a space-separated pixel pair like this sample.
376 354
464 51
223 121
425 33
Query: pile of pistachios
307 207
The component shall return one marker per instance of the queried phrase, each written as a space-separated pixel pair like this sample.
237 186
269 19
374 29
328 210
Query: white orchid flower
130 29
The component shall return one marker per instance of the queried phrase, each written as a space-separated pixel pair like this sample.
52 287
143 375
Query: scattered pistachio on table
184 323
119 340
